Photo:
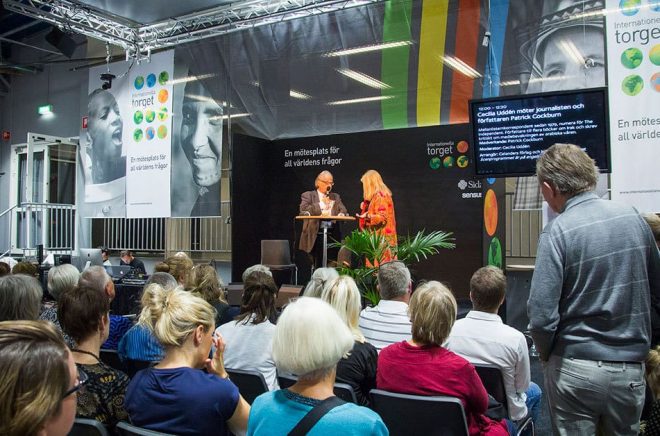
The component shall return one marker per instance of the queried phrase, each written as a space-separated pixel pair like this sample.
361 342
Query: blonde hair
653 371
173 315
205 282
180 268
372 183
310 338
432 312
34 375
320 278
343 295
653 221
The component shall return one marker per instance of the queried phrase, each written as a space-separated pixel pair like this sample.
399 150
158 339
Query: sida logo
462 184
470 185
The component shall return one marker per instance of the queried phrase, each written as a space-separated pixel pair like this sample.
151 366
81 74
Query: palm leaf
421 246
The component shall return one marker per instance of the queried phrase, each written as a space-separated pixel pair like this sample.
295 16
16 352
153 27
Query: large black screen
510 133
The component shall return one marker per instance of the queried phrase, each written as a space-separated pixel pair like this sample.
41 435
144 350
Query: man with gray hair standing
596 277
388 322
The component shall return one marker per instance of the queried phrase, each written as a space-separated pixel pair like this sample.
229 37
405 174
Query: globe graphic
162 132
151 80
654 5
462 147
631 57
163 77
655 82
654 54
162 114
163 95
462 161
137 117
629 7
150 133
448 162
137 135
435 163
632 85
495 253
150 115
139 82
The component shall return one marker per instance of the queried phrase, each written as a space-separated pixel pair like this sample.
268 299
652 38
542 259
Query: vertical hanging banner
633 68
148 155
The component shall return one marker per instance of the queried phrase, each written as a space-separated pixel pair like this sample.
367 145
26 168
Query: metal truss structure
139 40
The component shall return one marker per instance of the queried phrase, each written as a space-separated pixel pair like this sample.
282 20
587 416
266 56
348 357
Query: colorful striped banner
499 12
467 45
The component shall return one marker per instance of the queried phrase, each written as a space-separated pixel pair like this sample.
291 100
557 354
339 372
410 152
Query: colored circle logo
435 163
495 253
655 82
137 135
629 7
654 55
632 85
462 161
151 80
462 146
139 82
150 133
491 180
163 95
448 161
149 115
137 117
162 114
490 212
162 132
163 77
631 57
654 5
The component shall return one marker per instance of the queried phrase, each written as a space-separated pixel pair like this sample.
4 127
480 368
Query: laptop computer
117 272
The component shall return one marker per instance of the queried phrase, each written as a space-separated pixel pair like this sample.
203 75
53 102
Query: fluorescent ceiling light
359 100
458 65
571 51
191 79
363 78
45 109
299 95
367 48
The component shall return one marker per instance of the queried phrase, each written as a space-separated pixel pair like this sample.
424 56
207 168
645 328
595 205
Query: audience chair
276 255
133 366
111 358
343 391
88 427
126 429
286 380
250 384
405 414
491 377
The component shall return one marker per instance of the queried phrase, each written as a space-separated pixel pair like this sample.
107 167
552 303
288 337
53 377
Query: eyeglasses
328 183
82 380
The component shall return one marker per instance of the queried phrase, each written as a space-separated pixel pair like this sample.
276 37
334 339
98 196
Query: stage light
45 109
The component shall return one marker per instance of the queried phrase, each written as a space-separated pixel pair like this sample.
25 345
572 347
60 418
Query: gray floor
543 426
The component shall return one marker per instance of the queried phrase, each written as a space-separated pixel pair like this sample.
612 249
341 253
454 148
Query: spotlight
107 80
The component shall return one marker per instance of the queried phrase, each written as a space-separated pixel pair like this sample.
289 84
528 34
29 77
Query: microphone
327 191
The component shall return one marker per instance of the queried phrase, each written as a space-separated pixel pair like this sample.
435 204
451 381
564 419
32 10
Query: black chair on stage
127 429
250 384
405 414
276 255
491 377
341 390
88 427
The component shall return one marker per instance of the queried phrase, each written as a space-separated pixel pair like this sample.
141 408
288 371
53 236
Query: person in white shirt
482 338
388 322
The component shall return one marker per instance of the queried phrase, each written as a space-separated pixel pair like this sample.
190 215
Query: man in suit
319 202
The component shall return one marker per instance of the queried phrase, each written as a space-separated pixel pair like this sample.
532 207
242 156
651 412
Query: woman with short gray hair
60 278
20 297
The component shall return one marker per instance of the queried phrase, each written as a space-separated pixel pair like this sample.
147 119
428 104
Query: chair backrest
235 294
491 377
275 252
345 392
127 429
88 427
111 358
133 366
250 384
405 414
286 380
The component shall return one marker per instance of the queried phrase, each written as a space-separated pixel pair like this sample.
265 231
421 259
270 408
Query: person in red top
377 210
421 366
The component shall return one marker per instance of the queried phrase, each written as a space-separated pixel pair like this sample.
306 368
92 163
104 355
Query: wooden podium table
326 223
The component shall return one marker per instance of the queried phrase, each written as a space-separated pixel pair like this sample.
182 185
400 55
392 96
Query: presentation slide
511 133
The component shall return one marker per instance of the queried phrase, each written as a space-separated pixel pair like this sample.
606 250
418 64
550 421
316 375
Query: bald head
96 277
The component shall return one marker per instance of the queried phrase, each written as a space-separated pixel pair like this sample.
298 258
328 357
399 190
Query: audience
96 277
180 268
38 380
27 268
206 283
139 342
85 315
481 337
421 366
176 396
320 278
249 339
5 270
653 221
388 321
162 267
358 368
60 278
255 268
310 338
651 426
20 297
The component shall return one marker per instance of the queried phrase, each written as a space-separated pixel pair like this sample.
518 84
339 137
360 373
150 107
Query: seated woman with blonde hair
310 338
176 396
358 368
422 366
320 278
180 268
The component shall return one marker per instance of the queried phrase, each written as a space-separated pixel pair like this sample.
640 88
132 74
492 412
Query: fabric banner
633 52
148 154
